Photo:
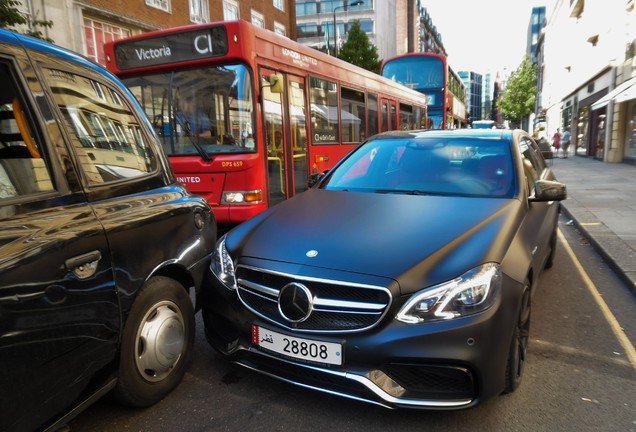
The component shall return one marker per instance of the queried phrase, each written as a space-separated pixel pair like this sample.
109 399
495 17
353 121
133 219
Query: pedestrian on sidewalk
565 142
556 141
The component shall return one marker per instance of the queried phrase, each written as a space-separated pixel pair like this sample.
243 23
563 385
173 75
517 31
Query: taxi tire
160 321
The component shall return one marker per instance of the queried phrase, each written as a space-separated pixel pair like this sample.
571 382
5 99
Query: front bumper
444 365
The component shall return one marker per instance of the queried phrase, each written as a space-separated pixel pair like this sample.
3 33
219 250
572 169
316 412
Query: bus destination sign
172 48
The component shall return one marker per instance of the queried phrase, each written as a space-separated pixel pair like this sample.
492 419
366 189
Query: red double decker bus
430 73
246 115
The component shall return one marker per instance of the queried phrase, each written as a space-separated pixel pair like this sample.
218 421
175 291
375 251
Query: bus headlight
471 293
242 197
222 265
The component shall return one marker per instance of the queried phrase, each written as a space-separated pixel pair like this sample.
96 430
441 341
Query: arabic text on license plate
300 348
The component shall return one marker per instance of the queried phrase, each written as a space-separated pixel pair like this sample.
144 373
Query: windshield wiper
413 192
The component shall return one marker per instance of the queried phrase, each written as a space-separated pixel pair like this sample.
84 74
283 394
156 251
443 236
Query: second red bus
430 74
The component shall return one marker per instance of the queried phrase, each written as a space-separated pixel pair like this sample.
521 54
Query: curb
613 250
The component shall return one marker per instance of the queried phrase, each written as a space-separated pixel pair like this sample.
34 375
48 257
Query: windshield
417 72
428 166
199 111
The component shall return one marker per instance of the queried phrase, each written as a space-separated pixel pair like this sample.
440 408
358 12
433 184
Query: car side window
104 131
23 170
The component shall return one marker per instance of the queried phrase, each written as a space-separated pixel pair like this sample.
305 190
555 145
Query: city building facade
315 23
587 70
487 92
84 25
429 38
537 22
474 94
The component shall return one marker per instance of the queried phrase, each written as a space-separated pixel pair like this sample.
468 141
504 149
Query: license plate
298 348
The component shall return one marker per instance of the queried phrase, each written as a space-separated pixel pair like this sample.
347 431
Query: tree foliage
11 18
518 99
358 50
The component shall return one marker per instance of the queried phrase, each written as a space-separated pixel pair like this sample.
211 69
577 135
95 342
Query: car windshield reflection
461 167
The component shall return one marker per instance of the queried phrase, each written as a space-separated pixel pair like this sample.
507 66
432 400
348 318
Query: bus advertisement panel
429 73
246 115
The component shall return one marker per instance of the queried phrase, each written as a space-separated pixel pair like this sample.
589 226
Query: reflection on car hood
431 238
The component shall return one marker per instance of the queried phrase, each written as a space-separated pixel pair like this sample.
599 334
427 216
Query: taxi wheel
156 344
519 345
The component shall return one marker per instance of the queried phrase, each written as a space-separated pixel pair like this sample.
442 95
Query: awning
622 93
628 94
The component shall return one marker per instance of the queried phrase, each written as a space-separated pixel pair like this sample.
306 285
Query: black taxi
101 250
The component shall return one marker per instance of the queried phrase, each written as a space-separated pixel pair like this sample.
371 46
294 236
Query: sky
486 35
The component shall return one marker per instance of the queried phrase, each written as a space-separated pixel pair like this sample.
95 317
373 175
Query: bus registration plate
295 347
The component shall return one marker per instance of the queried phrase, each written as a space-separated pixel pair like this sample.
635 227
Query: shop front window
630 132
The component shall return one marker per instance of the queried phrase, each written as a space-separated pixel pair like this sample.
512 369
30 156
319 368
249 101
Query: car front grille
337 306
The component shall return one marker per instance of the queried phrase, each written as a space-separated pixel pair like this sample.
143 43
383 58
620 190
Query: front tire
156 344
515 365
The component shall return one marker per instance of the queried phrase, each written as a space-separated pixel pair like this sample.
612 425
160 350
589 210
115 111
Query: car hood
416 240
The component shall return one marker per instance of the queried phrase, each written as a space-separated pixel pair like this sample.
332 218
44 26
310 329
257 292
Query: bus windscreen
199 111
417 72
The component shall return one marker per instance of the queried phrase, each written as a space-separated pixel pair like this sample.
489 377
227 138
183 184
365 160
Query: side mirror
314 179
276 83
548 190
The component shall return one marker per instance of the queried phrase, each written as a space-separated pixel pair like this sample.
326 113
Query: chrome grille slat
347 304
338 306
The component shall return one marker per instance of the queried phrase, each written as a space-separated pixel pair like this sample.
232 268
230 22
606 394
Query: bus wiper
195 142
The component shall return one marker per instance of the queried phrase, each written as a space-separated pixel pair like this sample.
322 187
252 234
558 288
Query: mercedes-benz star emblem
295 302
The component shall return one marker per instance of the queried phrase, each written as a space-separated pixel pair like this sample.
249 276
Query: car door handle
85 265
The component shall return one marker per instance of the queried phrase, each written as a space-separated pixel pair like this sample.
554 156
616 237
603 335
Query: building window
280 5
279 29
308 30
230 10
258 19
306 8
164 5
199 12
96 34
366 25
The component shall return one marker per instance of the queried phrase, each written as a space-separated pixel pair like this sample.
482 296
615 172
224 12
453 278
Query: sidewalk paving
602 204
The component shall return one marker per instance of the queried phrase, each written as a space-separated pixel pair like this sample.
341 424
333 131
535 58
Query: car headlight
473 292
222 265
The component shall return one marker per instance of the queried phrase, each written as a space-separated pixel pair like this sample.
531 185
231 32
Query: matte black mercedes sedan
404 277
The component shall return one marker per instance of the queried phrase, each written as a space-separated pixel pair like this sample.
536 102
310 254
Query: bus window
324 110
407 119
385 116
394 116
207 110
352 112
